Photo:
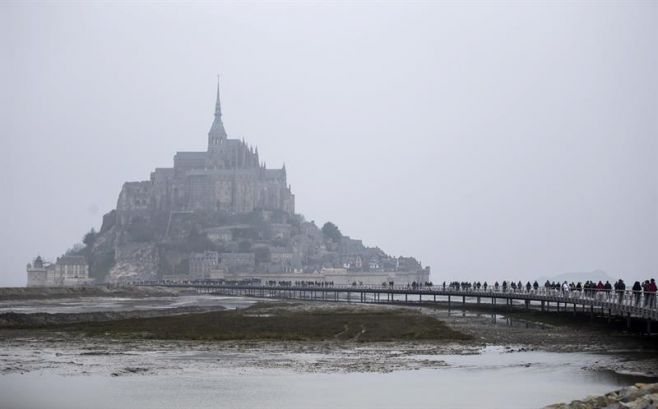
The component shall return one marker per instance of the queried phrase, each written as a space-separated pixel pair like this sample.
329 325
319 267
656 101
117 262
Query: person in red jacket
651 293
599 290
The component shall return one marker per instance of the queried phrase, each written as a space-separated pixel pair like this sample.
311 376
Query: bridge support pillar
542 305
463 300
478 300
448 303
527 304
405 298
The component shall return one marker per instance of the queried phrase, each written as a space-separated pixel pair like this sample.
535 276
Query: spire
218 105
217 132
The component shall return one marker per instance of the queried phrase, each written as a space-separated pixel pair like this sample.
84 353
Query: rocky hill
217 213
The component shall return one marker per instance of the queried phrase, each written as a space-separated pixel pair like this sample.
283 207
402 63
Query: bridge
627 305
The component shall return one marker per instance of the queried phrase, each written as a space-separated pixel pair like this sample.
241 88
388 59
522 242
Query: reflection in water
496 319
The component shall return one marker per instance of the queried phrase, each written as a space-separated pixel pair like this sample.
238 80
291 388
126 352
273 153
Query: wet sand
319 342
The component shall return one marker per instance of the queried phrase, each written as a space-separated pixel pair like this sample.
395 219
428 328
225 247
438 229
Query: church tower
217 132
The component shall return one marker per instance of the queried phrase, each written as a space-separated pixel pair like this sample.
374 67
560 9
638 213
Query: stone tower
217 133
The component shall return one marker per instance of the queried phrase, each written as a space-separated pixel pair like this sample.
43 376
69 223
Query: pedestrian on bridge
637 293
620 287
608 289
651 290
600 288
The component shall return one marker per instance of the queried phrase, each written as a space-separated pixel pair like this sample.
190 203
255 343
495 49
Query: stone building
228 176
232 262
71 270
37 273
68 271
205 265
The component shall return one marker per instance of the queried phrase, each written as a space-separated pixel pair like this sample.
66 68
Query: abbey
221 215
227 177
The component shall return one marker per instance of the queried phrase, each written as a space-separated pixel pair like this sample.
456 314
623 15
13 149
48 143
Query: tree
331 231
89 238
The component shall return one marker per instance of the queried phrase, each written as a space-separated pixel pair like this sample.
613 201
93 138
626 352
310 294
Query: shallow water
101 304
492 379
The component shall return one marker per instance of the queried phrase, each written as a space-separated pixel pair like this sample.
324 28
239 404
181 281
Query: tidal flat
203 350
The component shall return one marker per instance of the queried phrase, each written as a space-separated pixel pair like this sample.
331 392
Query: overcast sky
506 140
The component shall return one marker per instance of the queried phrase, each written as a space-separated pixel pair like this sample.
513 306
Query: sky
505 140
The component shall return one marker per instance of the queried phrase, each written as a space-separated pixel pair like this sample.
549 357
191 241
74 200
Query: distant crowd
641 294
599 290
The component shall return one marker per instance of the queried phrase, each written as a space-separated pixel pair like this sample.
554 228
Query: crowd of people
643 294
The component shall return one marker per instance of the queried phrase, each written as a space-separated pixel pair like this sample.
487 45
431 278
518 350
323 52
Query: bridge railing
600 297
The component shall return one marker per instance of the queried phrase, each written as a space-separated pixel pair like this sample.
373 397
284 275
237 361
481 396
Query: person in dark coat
620 287
637 293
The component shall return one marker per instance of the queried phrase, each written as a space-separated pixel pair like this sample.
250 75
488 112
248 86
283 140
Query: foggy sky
502 141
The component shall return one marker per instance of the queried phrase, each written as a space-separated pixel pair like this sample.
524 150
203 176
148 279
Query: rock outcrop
638 396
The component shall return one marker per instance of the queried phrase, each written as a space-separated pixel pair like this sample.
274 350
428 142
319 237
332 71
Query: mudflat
266 321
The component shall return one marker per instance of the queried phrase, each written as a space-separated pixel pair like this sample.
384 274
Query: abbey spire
217 132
